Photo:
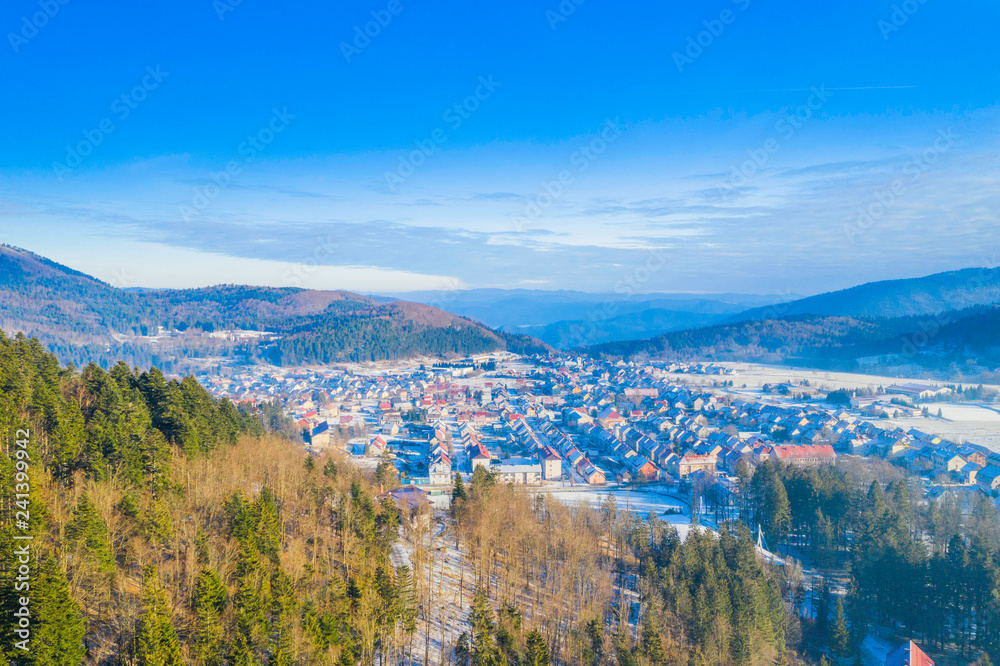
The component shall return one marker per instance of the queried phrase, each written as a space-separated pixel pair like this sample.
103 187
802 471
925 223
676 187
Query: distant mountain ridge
932 294
576 333
946 323
83 319
567 318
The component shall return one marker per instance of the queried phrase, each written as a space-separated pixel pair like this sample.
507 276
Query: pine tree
267 524
482 478
209 593
58 628
741 644
330 469
242 653
208 639
652 643
156 639
463 653
67 445
247 600
537 651
856 612
840 639
407 598
625 655
459 492
484 650
822 613
283 609
778 511
87 529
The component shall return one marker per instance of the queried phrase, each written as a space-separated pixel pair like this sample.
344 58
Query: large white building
520 474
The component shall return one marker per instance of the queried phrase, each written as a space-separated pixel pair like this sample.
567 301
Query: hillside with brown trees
84 320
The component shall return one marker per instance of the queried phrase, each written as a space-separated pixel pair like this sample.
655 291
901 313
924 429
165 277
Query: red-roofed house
908 654
609 417
801 456
377 447
481 457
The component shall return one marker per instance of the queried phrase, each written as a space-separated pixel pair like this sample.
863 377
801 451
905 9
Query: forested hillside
167 528
605 587
84 320
926 568
940 342
929 295
610 587
575 333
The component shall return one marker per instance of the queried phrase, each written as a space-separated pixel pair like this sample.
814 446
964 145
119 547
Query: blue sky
748 146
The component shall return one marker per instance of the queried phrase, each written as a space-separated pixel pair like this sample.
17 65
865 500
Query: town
571 421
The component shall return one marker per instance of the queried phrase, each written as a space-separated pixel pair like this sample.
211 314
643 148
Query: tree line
577 585
927 567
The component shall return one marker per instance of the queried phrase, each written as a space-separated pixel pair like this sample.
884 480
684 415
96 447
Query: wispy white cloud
782 229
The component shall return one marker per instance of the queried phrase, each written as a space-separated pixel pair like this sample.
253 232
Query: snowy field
977 424
972 413
965 426
756 375
640 501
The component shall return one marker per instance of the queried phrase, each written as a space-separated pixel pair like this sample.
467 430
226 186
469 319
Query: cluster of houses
581 421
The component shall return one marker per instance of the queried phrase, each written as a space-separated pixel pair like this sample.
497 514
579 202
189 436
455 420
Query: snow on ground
968 413
874 650
978 424
963 422
399 556
640 501
452 589
753 374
